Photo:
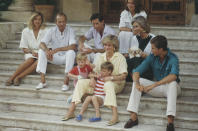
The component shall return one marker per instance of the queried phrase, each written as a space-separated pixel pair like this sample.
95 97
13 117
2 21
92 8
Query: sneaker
65 87
69 99
170 127
41 85
94 119
79 118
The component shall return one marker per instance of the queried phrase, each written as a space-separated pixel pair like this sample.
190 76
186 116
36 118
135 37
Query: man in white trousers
165 67
97 32
61 40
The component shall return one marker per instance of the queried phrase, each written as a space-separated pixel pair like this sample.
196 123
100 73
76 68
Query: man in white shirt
61 40
97 32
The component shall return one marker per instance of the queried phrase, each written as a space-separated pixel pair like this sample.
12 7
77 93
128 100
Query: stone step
12 65
28 92
29 121
183 51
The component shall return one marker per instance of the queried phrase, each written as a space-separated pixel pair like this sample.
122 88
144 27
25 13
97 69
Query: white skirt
125 39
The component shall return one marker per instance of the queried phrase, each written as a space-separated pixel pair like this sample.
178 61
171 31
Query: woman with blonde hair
113 84
30 40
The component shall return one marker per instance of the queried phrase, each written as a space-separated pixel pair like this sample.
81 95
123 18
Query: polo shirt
94 34
170 65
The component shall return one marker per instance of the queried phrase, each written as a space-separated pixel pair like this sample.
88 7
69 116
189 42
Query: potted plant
4 4
46 7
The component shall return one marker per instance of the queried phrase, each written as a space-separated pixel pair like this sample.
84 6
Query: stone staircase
25 109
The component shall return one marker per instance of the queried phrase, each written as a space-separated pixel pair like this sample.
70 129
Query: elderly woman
30 40
133 9
113 84
141 40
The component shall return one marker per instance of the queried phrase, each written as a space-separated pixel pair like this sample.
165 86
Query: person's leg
42 65
20 69
81 88
85 104
28 70
97 101
69 60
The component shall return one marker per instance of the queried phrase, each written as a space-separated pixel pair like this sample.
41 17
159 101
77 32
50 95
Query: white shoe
65 87
41 85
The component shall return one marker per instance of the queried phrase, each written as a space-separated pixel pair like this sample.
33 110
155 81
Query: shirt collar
114 55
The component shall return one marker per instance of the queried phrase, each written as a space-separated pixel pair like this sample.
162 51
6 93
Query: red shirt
86 68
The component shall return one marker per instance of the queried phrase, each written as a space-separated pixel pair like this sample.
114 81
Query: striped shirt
99 89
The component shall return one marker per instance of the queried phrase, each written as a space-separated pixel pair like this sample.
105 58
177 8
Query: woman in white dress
30 40
133 9
141 40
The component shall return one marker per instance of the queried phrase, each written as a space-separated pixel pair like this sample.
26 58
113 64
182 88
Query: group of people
102 69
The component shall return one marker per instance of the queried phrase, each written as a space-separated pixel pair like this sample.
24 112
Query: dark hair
107 65
97 16
160 41
138 6
61 14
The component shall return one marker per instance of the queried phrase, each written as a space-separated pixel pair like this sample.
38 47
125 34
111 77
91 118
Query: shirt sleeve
24 39
124 18
144 65
89 34
47 37
175 66
123 65
74 71
72 37
89 68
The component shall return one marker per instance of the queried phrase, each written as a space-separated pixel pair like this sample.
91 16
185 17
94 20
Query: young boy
81 71
98 96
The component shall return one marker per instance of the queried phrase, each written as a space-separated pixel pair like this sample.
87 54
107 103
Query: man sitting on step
62 40
165 67
97 32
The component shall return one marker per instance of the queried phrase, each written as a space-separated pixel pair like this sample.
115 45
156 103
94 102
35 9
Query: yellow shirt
118 61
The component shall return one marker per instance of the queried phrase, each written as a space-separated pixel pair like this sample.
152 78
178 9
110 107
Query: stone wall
8 30
80 10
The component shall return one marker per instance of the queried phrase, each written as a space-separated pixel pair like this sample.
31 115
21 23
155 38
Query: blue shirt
170 65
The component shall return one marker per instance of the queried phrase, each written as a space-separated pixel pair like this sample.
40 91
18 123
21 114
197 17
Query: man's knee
71 53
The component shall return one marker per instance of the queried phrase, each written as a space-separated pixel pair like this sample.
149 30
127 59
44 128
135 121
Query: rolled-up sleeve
48 37
24 39
89 34
144 65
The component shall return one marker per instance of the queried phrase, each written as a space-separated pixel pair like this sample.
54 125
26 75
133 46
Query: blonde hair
107 65
113 40
32 18
81 56
143 23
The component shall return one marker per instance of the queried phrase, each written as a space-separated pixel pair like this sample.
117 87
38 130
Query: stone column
19 11
21 5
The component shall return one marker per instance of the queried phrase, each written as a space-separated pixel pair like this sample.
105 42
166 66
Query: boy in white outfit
63 44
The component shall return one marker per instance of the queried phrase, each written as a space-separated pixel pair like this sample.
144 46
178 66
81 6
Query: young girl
98 96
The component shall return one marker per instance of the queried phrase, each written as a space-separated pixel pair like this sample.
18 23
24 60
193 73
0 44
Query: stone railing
8 31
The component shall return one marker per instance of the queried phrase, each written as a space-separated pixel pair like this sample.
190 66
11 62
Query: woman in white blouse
141 40
30 40
133 9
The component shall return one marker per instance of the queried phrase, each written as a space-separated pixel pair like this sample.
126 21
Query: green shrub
4 4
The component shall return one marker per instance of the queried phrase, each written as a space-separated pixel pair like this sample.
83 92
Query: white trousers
59 59
170 90
125 39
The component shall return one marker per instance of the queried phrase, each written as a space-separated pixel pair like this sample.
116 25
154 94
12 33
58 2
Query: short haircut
61 14
107 65
143 23
138 6
32 18
160 41
81 56
97 16
113 40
